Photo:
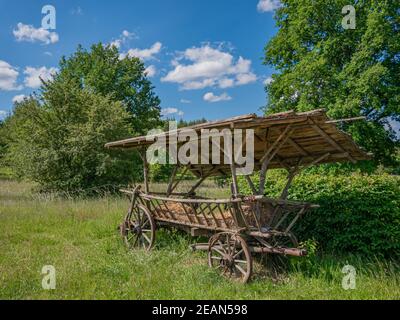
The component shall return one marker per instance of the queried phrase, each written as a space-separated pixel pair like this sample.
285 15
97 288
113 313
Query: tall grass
79 238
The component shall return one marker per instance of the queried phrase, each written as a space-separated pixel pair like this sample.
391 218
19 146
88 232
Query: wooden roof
286 138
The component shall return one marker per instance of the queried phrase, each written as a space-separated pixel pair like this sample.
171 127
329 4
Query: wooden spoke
229 253
139 229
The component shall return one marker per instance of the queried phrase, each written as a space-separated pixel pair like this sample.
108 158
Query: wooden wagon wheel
279 262
139 230
229 253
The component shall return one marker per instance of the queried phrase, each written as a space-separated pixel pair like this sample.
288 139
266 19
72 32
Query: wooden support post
199 182
266 159
179 180
235 189
142 154
251 185
171 180
265 156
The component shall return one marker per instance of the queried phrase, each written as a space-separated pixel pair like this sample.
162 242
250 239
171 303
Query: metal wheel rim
230 254
140 229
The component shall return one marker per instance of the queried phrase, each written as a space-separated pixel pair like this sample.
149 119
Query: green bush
358 213
60 144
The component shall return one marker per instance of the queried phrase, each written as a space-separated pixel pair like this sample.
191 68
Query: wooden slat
331 141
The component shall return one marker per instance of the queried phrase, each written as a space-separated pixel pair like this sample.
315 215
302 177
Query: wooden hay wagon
240 226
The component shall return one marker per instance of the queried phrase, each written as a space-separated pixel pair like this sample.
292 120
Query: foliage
3 143
60 143
102 70
160 172
57 136
79 238
350 72
358 214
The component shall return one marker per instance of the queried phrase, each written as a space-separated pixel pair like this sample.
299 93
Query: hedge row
358 214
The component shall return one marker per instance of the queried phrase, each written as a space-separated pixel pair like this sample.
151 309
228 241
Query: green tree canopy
103 71
56 137
349 72
60 144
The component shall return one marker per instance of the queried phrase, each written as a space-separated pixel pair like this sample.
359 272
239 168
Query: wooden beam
199 182
179 180
234 180
316 161
331 141
346 119
297 147
265 156
172 179
265 163
145 170
251 184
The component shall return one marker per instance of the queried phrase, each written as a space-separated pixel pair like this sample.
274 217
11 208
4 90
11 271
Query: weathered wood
283 134
199 182
145 170
171 180
186 212
179 180
212 213
251 184
194 213
331 141
346 120
305 141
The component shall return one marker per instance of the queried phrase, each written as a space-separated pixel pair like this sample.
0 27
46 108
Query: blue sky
204 57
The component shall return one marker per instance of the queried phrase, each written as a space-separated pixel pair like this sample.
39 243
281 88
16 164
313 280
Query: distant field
79 238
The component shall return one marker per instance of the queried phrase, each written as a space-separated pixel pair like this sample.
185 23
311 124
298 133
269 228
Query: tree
57 136
103 70
350 72
60 143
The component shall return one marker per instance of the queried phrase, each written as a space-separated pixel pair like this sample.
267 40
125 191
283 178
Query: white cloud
29 33
268 5
207 67
171 111
123 38
33 75
48 53
3 114
127 34
151 71
116 43
226 83
18 98
144 54
8 77
211 97
185 101
245 78
268 81
77 11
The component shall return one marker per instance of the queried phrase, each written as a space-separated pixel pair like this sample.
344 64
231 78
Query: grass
79 238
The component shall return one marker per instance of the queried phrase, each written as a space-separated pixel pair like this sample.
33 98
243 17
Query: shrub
60 144
358 213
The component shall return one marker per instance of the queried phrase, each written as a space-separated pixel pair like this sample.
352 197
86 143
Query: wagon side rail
274 216
257 215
